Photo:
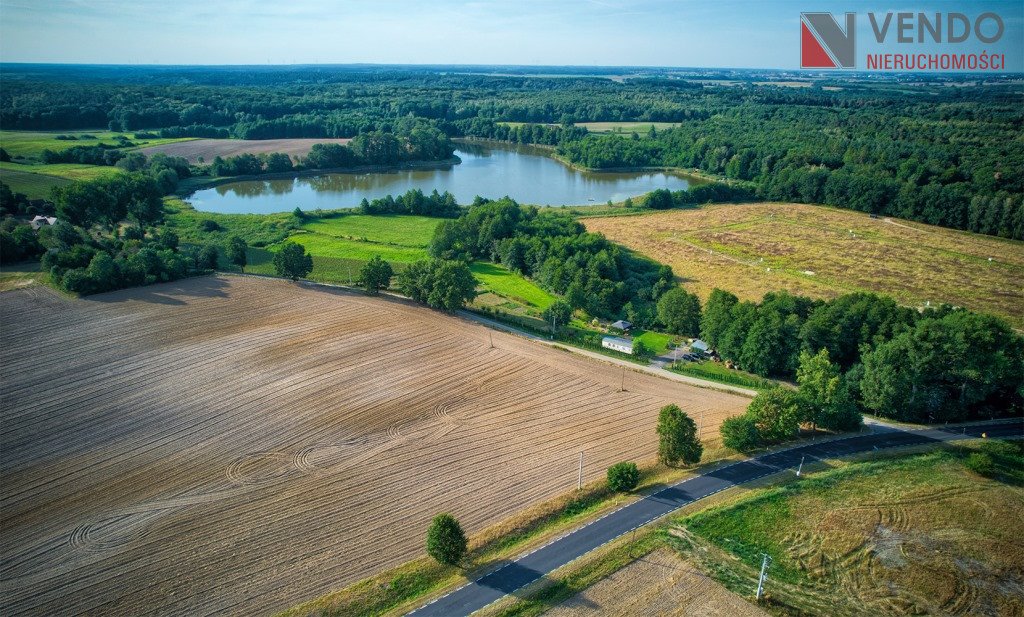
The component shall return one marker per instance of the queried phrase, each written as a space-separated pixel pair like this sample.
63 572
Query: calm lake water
522 173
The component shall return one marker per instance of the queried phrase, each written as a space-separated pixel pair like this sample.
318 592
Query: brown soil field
229 445
751 249
660 583
209 148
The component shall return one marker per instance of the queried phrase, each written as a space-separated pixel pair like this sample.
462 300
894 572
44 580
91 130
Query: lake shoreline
209 182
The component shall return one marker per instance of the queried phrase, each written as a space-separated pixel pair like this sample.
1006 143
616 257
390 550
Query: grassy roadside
398 590
915 531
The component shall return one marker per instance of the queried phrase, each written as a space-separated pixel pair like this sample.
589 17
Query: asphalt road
539 563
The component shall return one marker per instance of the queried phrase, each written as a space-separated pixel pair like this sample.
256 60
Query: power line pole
800 468
622 385
764 574
490 337
700 431
579 482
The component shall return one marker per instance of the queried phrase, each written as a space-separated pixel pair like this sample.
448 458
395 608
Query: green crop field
30 144
625 127
414 231
328 246
657 341
503 282
32 185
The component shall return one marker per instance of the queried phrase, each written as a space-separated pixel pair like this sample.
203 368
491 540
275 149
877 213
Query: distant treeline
928 152
415 143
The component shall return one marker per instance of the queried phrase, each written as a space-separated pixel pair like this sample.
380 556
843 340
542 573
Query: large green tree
439 283
446 542
776 414
238 252
292 261
376 275
677 437
679 312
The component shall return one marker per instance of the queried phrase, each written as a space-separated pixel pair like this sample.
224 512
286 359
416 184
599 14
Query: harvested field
234 445
660 583
209 148
751 249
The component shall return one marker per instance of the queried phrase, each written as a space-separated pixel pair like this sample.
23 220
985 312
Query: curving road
542 561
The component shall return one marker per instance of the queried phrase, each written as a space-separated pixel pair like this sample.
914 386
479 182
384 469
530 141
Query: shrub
740 433
446 541
981 463
623 477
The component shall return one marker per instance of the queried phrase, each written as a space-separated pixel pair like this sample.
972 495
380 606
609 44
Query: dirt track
209 148
227 445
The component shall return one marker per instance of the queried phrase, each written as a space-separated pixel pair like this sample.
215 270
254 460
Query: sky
684 33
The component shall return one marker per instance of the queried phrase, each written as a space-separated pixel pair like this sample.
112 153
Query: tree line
935 365
556 252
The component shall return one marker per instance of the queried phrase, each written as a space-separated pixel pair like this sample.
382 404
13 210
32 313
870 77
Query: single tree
677 433
376 275
776 413
679 311
208 257
446 541
642 351
623 477
238 252
740 433
558 314
292 261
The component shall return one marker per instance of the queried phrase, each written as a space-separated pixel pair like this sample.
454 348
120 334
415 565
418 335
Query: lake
492 171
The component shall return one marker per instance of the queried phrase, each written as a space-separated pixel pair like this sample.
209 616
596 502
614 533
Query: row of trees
413 201
375 148
556 252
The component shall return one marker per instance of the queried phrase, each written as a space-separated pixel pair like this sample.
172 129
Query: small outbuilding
699 346
623 345
623 325
39 221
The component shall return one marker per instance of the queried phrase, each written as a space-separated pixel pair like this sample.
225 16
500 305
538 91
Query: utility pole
622 385
490 336
700 431
764 574
552 325
800 468
579 482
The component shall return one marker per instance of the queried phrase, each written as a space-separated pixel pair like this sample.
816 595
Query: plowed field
232 445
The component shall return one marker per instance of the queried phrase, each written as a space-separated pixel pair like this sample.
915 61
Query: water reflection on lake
522 173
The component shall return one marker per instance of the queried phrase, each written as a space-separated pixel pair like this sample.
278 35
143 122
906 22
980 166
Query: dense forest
938 365
931 152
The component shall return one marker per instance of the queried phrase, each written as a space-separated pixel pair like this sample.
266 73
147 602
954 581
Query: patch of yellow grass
751 249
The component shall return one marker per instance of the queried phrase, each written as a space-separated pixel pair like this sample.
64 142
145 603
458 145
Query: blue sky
553 32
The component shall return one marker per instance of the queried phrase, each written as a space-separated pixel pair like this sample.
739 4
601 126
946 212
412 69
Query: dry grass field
751 249
227 445
659 583
209 148
914 535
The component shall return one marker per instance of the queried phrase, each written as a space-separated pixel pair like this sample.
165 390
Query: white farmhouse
623 345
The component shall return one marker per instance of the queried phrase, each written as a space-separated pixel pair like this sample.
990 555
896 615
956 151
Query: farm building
618 344
622 324
699 346
39 221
